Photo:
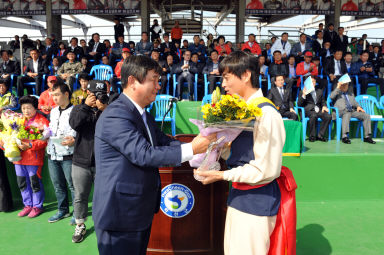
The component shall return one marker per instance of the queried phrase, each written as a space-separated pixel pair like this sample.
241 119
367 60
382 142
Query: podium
192 215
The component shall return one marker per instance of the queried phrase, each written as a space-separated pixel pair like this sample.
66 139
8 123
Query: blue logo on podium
177 200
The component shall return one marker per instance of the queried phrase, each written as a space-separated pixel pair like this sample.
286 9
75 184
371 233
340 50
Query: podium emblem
177 200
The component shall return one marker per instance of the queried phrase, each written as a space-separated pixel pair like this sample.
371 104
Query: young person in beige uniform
254 198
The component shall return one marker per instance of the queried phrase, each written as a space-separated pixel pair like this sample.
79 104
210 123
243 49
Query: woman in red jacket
28 169
223 49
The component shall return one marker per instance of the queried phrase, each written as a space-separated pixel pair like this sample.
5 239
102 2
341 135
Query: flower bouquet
14 131
228 116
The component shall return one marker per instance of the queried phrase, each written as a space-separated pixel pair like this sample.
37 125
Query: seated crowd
74 100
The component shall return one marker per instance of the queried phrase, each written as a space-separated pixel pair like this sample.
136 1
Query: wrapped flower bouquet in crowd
14 131
228 116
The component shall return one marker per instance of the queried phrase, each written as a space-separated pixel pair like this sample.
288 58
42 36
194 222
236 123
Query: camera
102 97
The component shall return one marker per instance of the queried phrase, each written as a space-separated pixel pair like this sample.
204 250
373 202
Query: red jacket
35 155
46 100
118 68
220 50
300 71
255 48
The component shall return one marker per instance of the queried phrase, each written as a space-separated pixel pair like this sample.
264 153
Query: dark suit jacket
101 49
329 36
127 185
172 47
43 68
284 103
316 47
281 69
11 68
309 104
192 67
330 67
340 45
49 52
208 67
77 50
165 65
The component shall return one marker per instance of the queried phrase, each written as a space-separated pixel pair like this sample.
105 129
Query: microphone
172 100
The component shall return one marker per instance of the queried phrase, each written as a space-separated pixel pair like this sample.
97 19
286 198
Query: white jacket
60 127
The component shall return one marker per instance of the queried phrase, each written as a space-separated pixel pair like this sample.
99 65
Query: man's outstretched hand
200 143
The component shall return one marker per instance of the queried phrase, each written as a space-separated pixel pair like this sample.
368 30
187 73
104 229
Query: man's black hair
213 51
29 100
138 67
238 62
63 88
84 76
276 51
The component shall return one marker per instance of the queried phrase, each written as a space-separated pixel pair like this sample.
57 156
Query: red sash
283 238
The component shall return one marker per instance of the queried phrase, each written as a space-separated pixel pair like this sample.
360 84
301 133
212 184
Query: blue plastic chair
206 84
358 87
161 105
338 121
368 103
206 99
194 86
33 84
102 72
304 121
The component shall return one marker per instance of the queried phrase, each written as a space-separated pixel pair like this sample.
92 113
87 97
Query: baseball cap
308 54
52 78
126 50
97 86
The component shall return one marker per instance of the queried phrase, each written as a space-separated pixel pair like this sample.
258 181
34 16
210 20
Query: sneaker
73 221
58 216
35 212
25 211
79 234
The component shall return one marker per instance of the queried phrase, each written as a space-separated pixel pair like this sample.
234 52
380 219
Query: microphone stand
171 101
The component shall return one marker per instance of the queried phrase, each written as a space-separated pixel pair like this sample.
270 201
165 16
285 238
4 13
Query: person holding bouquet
28 169
255 162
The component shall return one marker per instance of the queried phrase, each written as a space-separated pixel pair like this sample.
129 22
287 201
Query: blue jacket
127 183
195 49
141 50
355 69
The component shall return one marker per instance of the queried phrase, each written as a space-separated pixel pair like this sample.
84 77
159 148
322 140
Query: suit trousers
247 234
24 79
184 77
312 123
122 243
346 117
289 115
212 82
364 84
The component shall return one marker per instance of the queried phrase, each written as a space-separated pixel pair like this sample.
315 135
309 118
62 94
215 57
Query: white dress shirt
186 148
36 66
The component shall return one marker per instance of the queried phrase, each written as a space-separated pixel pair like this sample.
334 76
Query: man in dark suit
335 68
315 107
211 69
7 68
96 49
127 184
278 67
366 73
326 53
340 42
117 49
168 47
49 51
34 72
119 29
376 58
330 34
185 71
75 48
282 98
